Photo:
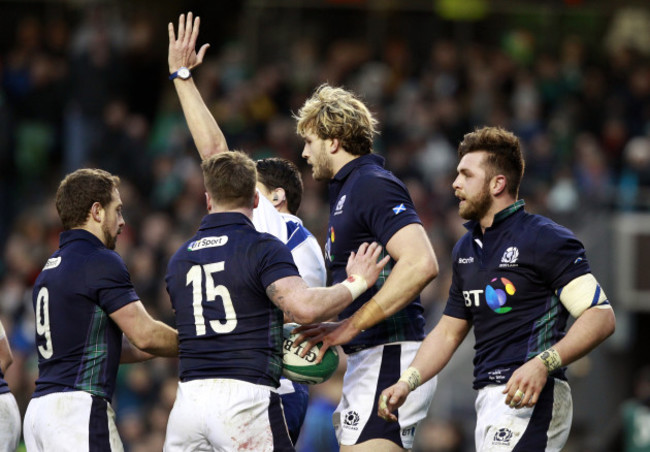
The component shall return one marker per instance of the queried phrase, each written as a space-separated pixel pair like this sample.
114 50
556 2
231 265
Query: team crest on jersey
510 256
502 437
52 263
339 205
207 242
351 420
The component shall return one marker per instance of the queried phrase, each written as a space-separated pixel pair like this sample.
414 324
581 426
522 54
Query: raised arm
303 304
147 334
207 135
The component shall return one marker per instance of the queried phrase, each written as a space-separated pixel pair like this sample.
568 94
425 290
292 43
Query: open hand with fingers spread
182 47
364 263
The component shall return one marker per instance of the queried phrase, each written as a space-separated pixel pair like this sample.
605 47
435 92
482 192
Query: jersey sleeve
274 261
108 279
456 302
560 256
385 206
267 219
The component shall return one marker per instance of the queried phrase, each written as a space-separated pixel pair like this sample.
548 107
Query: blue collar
214 220
500 216
78 234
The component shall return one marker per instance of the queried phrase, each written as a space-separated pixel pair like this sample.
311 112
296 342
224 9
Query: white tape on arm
412 378
583 293
2 331
356 284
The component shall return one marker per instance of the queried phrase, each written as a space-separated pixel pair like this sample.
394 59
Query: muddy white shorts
225 414
9 423
65 421
369 372
544 427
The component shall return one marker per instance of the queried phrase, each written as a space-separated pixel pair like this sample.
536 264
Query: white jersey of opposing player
267 219
306 252
289 229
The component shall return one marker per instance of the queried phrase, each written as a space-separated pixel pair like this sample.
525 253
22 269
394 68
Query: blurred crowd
95 93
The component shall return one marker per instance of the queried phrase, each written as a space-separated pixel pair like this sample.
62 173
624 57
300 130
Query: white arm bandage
583 293
2 331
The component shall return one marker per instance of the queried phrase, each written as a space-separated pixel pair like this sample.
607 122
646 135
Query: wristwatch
182 73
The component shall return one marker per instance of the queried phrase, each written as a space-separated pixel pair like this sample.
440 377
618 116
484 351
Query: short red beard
477 208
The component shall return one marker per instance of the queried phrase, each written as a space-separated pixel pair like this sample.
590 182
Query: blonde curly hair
334 113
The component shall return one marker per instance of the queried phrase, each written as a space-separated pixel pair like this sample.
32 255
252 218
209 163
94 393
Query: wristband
551 359
411 377
356 284
2 331
368 315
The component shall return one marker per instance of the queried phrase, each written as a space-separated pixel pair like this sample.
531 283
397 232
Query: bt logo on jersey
496 294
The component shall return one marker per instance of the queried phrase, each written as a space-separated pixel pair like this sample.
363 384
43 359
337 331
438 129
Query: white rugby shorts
225 414
9 422
369 372
75 420
544 427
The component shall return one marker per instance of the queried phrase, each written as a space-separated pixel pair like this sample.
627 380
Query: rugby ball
305 370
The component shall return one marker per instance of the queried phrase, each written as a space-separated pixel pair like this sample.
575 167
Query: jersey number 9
43 322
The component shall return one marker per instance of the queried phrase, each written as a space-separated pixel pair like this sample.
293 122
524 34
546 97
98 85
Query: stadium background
84 83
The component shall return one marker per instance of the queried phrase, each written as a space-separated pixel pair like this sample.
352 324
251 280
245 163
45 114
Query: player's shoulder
544 228
103 257
371 175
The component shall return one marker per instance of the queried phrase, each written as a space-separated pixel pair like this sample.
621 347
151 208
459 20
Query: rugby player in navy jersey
231 288
383 329
368 203
84 301
9 413
516 279
279 186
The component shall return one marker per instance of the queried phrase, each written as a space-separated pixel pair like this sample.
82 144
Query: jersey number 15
195 278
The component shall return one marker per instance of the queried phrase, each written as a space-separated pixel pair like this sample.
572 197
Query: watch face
184 73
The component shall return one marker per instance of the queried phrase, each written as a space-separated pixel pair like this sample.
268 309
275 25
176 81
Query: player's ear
208 202
256 200
97 212
278 197
335 145
498 184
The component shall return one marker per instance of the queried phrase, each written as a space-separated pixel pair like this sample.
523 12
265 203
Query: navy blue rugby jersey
369 204
79 345
227 326
504 283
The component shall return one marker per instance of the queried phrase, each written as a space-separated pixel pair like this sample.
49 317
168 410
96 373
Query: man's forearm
207 135
588 331
405 282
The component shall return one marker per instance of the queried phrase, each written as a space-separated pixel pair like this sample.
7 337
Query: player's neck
498 204
340 159
95 229
216 208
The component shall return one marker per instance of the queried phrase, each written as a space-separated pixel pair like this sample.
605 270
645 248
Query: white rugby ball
305 370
